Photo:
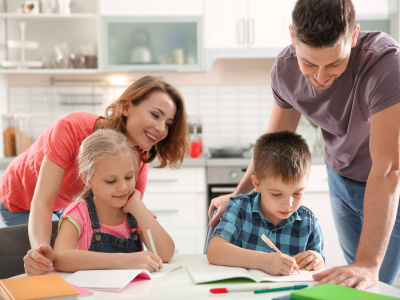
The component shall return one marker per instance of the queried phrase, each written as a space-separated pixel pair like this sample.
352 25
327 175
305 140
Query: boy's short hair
282 154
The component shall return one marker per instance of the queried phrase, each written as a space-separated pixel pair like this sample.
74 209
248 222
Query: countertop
202 161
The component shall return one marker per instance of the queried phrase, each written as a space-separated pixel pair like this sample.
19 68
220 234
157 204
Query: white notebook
204 274
114 280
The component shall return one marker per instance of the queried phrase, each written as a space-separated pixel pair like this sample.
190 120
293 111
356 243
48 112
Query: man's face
323 66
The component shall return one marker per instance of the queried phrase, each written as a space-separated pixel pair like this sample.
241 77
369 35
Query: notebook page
262 276
165 270
113 280
201 274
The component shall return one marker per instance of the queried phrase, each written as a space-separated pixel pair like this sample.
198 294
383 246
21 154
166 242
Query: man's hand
219 203
353 275
311 260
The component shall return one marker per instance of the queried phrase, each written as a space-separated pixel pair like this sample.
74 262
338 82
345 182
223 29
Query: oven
222 180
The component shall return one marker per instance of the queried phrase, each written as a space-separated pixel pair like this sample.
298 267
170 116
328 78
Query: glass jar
10 129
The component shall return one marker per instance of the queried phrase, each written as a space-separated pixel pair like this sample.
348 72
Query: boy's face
279 200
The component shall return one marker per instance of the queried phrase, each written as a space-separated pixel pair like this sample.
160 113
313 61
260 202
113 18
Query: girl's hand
134 199
144 260
309 259
277 264
39 260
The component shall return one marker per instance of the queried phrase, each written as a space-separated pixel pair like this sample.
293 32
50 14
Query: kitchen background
218 53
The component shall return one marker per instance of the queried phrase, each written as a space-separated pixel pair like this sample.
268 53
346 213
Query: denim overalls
108 243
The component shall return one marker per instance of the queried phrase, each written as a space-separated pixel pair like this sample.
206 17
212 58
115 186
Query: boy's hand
277 264
309 259
133 201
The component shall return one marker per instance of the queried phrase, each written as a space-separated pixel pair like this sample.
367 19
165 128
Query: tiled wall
232 115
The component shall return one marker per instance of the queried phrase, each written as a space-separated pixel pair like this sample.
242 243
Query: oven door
216 190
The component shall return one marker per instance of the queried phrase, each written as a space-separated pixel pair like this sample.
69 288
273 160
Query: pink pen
271 244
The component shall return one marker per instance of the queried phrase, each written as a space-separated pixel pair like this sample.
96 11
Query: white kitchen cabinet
178 198
375 8
249 24
151 8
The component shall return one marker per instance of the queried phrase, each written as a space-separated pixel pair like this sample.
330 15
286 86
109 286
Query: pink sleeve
62 144
141 181
78 213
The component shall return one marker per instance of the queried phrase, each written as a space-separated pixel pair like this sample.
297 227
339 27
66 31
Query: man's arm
381 202
281 119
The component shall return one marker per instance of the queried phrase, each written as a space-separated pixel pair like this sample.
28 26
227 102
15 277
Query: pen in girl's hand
153 247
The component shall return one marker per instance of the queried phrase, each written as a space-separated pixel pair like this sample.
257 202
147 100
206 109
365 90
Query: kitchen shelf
49 71
47 16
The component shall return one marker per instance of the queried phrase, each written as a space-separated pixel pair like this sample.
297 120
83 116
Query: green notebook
329 291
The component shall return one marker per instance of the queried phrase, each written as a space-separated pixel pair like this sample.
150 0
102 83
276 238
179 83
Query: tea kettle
141 52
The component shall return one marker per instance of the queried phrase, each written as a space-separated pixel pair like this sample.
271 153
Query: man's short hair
323 23
282 154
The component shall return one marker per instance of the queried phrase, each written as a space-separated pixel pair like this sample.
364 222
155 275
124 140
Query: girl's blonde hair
103 144
172 149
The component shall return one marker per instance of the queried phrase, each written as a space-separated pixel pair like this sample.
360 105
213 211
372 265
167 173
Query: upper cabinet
247 24
151 8
162 43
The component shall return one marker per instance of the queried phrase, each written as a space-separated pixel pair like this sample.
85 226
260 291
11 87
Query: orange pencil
271 244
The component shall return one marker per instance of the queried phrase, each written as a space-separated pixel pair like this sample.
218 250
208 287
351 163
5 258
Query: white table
178 285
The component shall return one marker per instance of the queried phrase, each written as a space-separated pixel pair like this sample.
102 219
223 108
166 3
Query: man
348 83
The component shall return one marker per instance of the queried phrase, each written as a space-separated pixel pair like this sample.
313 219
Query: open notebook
114 280
205 274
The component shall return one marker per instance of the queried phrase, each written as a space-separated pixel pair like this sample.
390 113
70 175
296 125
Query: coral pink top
60 142
78 214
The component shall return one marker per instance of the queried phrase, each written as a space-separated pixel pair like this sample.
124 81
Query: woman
44 179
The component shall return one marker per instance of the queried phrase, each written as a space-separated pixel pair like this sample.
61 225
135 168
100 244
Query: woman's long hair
172 149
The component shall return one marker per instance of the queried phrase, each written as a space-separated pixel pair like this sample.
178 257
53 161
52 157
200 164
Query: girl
43 180
101 230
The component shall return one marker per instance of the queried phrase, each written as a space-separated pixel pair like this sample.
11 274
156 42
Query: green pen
295 287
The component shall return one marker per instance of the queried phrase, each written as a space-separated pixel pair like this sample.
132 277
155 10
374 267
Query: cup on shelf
48 6
90 61
61 62
64 7
89 49
78 61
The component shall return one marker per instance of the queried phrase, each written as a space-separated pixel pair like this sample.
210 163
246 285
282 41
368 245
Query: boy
282 165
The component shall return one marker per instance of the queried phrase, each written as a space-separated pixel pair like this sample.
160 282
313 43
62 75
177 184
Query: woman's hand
144 260
219 203
39 260
277 264
311 260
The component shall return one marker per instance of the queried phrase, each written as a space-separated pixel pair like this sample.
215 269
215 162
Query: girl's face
149 122
113 181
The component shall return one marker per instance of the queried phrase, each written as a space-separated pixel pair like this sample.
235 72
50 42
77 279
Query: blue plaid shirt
243 224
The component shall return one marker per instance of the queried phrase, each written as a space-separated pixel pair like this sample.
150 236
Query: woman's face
149 122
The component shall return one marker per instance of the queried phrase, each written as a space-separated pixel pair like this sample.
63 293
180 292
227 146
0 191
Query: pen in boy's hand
271 244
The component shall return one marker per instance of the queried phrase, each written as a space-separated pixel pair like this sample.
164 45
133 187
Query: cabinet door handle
223 190
168 211
244 32
163 180
251 31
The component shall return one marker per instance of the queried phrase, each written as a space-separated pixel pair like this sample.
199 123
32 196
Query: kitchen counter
201 161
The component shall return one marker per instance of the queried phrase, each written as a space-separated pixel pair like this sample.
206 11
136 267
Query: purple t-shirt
370 83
